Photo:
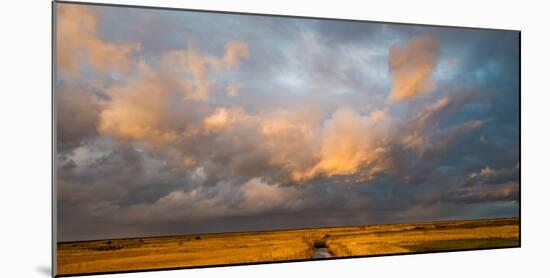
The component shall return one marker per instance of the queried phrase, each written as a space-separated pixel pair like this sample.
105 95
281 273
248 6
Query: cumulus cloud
411 66
79 43
222 118
350 142
141 108
284 146
272 145
163 141
192 61
146 106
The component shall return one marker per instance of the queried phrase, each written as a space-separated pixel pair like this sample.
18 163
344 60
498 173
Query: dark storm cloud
212 123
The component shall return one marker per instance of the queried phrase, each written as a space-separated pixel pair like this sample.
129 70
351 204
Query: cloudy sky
176 122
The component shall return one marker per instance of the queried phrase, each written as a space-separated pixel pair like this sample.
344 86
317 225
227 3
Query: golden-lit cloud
192 61
485 172
166 104
153 106
146 106
140 109
180 123
430 113
411 66
350 143
345 143
78 42
222 118
235 51
291 137
413 141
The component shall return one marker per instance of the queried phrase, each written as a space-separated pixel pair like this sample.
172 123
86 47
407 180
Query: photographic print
187 138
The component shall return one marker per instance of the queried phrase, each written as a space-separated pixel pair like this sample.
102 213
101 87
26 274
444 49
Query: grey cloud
77 113
174 171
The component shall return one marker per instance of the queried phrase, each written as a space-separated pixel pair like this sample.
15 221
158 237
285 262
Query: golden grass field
248 247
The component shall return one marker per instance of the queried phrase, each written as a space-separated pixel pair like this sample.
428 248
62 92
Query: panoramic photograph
192 138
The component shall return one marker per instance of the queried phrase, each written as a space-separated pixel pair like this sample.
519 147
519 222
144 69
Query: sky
181 122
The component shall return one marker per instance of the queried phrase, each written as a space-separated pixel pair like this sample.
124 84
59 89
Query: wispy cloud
411 66
213 127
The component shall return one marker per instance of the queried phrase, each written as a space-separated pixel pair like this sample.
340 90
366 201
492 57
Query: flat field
113 255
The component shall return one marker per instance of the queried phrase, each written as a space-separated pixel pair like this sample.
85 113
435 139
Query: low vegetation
233 248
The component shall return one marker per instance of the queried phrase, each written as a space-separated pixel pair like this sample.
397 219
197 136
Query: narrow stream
320 253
